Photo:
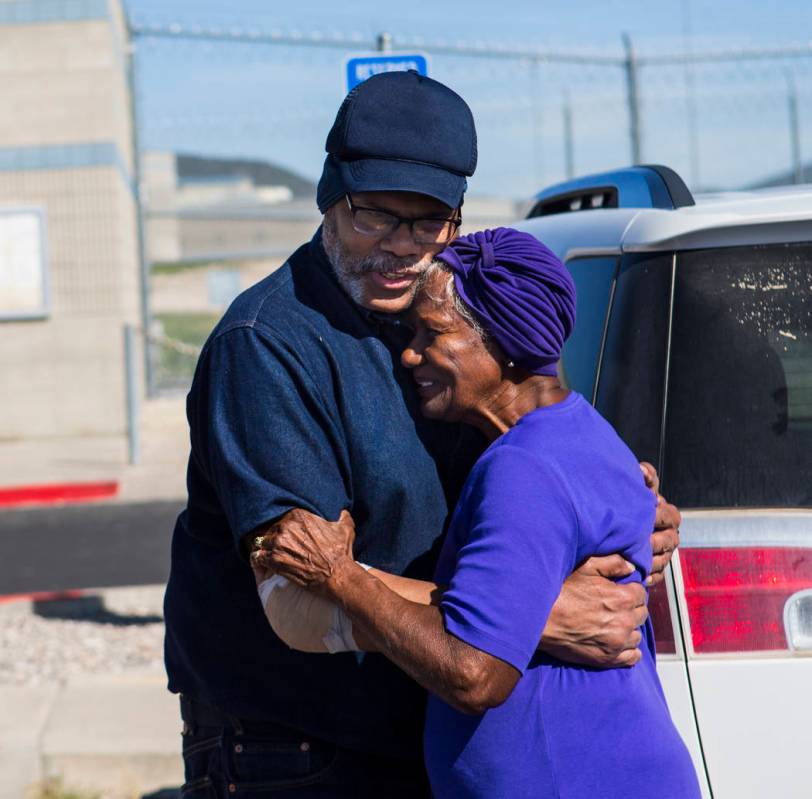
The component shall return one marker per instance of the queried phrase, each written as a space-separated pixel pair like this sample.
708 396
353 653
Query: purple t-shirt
556 488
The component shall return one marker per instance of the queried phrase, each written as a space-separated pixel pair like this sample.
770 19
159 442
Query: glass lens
432 231
373 223
370 222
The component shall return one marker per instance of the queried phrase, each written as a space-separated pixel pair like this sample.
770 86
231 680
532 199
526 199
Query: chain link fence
251 99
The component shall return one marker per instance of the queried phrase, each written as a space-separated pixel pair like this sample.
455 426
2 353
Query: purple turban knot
520 292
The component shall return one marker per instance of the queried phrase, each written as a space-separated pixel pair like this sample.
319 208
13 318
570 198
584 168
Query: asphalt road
85 546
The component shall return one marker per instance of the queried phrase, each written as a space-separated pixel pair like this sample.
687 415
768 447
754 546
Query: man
300 401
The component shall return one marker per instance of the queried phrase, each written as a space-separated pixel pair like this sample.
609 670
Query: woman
555 486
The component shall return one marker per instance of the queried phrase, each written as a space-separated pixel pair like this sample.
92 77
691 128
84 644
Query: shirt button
238 748
232 788
304 746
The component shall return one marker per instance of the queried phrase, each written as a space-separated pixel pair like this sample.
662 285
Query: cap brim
379 174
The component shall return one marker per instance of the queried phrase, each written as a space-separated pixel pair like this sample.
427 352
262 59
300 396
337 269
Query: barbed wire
334 39
460 48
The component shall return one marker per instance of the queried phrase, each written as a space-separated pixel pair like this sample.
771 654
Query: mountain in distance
261 173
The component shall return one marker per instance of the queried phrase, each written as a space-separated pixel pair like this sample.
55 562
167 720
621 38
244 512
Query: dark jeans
226 757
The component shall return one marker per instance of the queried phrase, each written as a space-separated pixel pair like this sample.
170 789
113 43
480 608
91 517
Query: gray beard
350 269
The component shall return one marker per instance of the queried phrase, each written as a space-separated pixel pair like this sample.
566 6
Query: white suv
694 338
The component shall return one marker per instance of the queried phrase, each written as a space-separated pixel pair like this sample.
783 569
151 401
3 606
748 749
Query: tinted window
739 420
631 381
593 278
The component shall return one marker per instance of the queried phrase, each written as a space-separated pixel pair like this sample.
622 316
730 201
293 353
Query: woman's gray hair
450 293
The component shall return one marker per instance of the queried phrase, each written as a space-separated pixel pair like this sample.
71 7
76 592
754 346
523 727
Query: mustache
384 263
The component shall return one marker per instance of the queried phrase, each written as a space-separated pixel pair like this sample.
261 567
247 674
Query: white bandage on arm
303 620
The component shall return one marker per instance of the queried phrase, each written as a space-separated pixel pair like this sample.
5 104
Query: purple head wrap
520 292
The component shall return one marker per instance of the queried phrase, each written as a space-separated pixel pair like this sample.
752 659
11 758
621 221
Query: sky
721 125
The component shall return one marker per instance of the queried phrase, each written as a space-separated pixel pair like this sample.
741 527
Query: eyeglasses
425 230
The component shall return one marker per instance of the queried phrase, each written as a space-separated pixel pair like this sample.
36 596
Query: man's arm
252 398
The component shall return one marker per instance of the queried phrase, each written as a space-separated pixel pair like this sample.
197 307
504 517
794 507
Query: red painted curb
42 596
56 493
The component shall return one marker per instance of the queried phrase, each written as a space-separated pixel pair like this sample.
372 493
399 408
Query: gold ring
258 541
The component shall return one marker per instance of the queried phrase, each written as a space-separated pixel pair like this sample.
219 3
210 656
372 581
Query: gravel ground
109 631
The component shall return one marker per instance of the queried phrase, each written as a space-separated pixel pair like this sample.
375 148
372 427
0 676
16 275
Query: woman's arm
422 592
307 622
313 553
414 638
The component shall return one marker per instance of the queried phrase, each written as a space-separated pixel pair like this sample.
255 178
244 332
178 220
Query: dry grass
54 788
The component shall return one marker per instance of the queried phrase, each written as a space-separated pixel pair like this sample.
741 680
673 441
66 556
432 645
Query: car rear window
738 425
631 382
594 279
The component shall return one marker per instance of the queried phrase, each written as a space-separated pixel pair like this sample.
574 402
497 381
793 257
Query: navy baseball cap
400 131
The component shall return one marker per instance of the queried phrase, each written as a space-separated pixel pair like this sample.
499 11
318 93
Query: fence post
384 42
132 395
794 131
569 144
538 122
632 99
143 261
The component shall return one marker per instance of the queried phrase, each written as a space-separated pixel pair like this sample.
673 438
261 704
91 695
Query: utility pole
384 42
690 95
794 130
633 99
569 144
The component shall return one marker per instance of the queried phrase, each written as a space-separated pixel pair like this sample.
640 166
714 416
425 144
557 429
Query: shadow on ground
89 608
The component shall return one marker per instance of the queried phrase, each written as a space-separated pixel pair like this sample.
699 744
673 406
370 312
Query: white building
66 158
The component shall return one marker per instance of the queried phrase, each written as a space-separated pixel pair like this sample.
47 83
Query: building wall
65 146
159 189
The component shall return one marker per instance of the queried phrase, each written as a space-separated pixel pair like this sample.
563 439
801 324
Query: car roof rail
644 186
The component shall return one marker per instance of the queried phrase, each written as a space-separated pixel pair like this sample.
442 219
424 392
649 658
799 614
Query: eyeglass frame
456 221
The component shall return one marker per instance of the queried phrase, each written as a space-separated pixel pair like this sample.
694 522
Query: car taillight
736 595
660 615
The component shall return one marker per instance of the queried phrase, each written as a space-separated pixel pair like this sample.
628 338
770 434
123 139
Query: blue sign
359 68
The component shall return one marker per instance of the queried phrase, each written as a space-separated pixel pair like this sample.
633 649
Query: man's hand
665 538
595 620
258 567
304 547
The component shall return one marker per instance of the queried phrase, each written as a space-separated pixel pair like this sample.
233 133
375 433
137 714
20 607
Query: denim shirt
299 400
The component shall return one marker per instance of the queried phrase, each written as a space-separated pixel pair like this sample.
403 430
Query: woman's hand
305 548
665 538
